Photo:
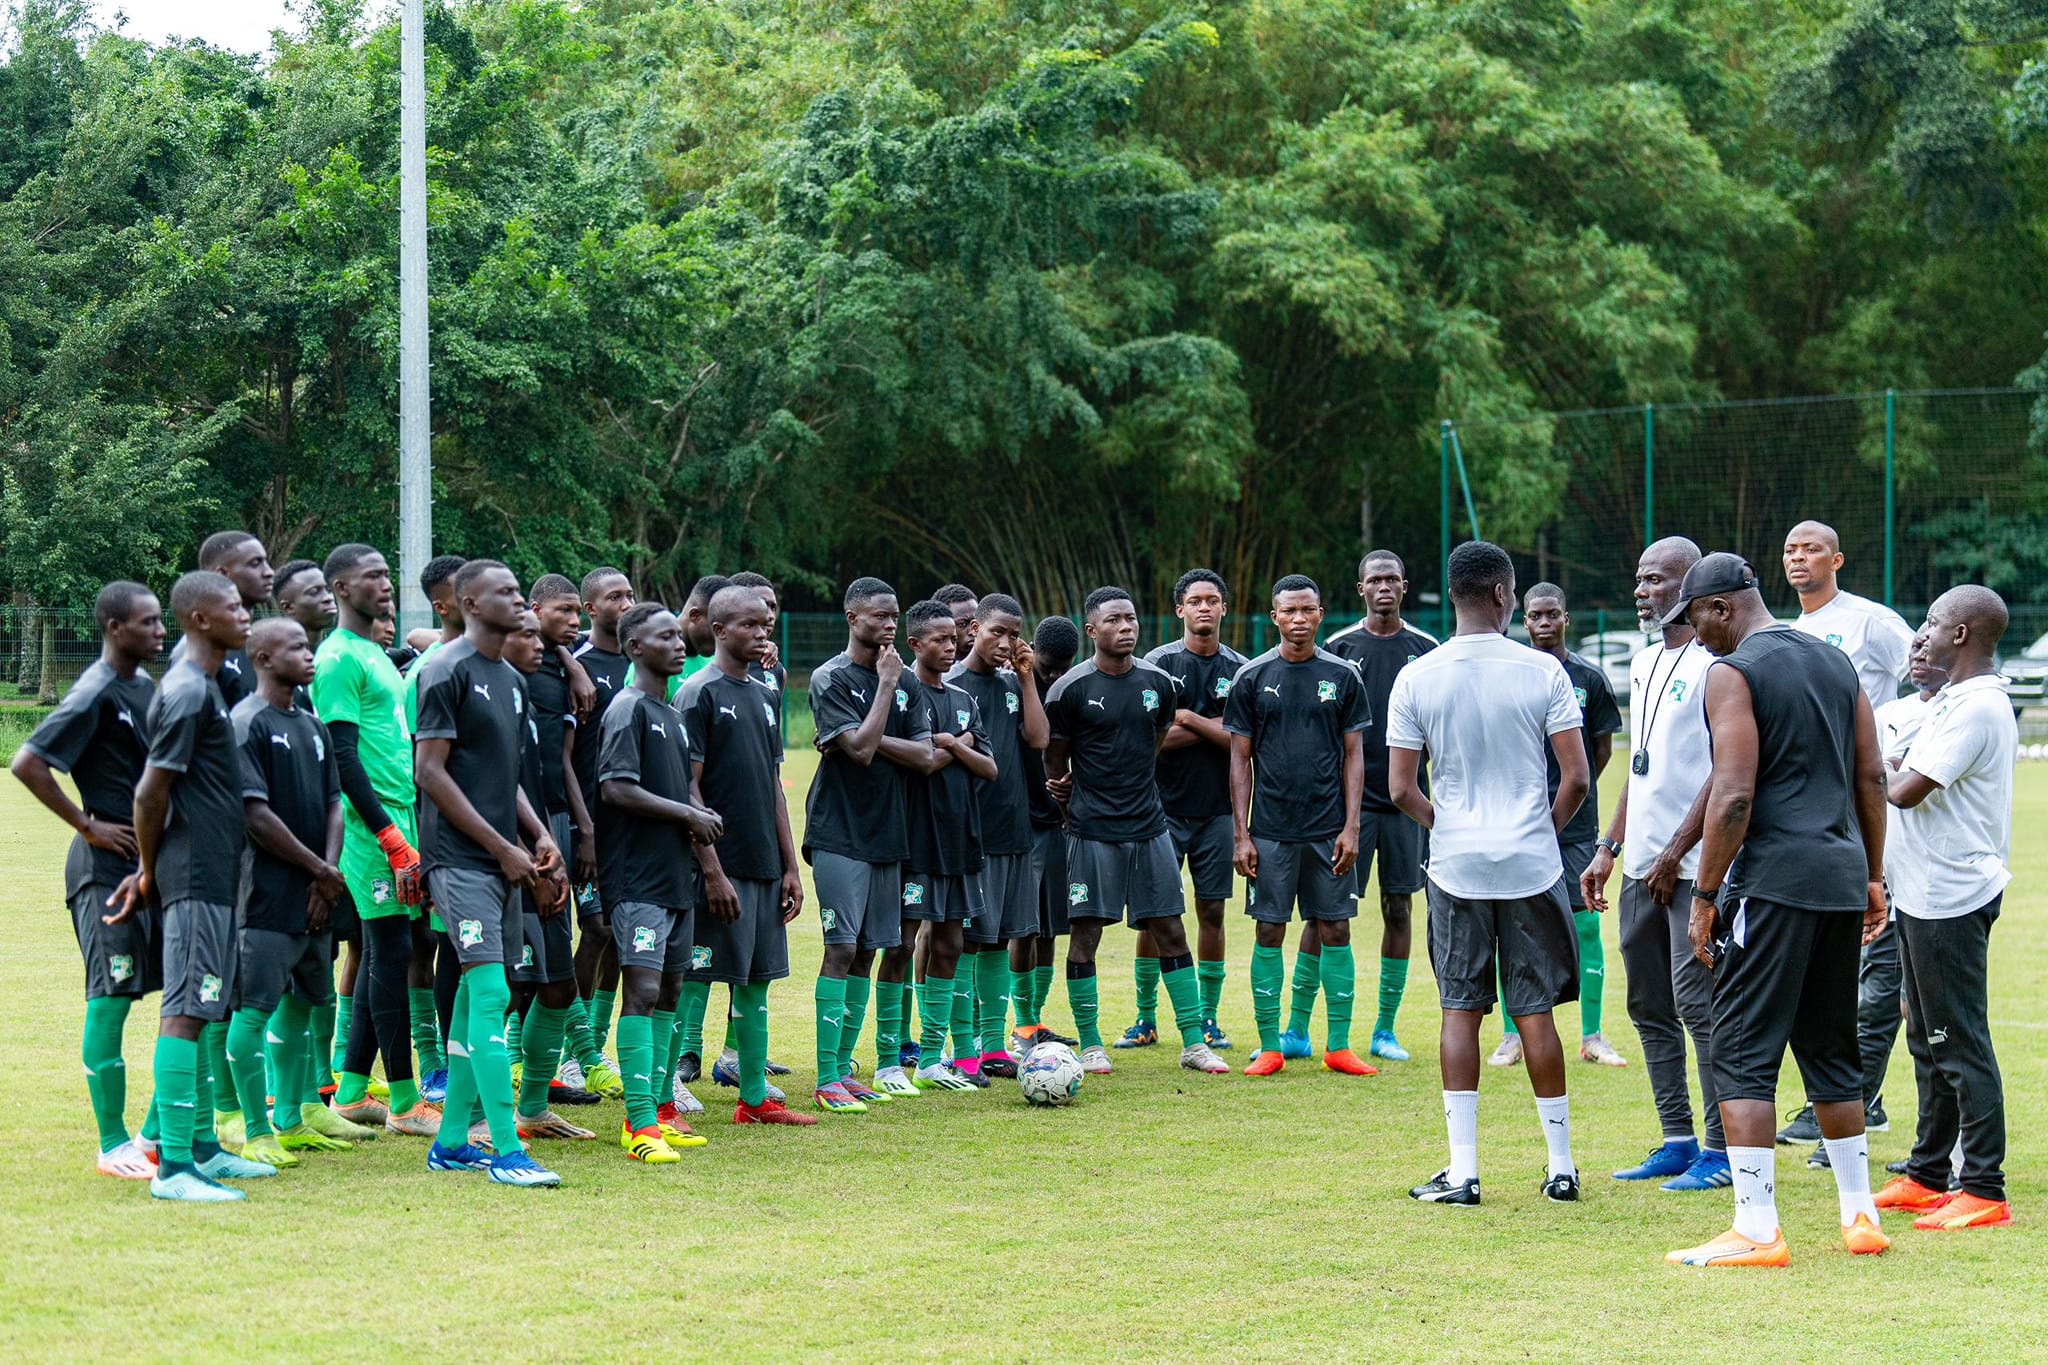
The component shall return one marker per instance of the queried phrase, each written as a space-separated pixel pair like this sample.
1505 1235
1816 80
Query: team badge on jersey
380 891
1151 700
469 932
768 711
526 954
1077 893
643 939
1223 687
1678 689
1326 690
1010 700
700 959
902 700
1579 695
913 893
827 917
120 966
209 989
1834 640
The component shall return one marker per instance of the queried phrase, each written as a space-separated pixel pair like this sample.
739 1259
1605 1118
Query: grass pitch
1166 1215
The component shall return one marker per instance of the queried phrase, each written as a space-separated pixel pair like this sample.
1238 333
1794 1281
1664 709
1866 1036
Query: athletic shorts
481 911
1533 937
367 871
1206 846
1788 978
344 925
1577 858
589 905
547 948
1399 844
1133 882
199 960
271 960
120 959
652 937
1049 870
752 949
937 898
859 904
1298 877
1006 893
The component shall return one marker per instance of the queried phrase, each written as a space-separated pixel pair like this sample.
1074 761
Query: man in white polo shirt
1954 798
1670 992
1878 642
1483 707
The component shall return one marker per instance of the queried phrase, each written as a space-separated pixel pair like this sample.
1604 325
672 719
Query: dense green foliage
1037 293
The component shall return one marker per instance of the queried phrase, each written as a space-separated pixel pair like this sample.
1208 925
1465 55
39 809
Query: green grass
1164 1216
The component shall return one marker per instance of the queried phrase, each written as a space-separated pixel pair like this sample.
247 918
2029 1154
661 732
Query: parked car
1611 650
2026 675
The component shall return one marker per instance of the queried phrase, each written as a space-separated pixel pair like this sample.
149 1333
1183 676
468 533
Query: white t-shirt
1957 841
1484 708
1668 712
1876 639
1898 723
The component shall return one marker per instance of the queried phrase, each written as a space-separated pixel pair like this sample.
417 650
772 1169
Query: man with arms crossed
1484 708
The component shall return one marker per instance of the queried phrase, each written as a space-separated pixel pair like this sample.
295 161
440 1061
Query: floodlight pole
415 455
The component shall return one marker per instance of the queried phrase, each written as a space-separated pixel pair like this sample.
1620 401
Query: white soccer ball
1050 1075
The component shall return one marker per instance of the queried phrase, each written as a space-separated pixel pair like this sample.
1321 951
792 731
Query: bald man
1878 642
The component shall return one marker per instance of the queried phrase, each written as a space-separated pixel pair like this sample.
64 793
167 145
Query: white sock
1850 1159
1556 1116
1756 1191
1461 1116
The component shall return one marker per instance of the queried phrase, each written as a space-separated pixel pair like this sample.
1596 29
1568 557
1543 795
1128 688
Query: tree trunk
24 641
47 692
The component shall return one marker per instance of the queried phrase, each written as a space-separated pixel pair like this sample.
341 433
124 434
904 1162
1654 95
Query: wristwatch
1612 846
1712 897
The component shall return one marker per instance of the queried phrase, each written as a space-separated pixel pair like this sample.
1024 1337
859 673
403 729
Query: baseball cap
1719 572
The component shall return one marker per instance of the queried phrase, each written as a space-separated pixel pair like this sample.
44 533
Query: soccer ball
1050 1075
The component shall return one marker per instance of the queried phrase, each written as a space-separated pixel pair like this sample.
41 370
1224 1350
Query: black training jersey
941 812
856 811
736 733
547 693
1194 782
1296 716
1112 724
479 705
237 676
99 734
533 778
200 856
1378 659
1045 812
776 680
1004 804
287 763
638 858
1804 847
608 675
1595 696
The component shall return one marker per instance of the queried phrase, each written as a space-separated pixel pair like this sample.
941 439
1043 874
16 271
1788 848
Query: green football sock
934 1013
750 1040
965 1044
458 1110
1269 970
205 1141
344 1017
1023 995
177 1096
992 999
1340 987
1507 1023
405 1095
661 1044
540 1055
1041 990
152 1122
213 1055
1393 985
636 1069
426 1030
690 1008
490 999
1592 969
1184 991
515 1037
601 1004
351 1088
1146 972
245 1065
1081 996
582 1043
828 999
321 1022
1301 1003
857 991
888 1023
106 1073
1211 975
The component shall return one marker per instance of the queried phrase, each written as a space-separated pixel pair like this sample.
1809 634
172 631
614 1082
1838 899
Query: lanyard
1639 764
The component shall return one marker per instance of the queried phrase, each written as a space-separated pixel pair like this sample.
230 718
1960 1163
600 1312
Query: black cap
1719 572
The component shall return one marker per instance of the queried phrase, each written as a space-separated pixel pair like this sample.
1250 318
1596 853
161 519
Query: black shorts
272 960
1132 882
1788 978
1537 948
1049 866
937 898
1298 877
547 948
752 949
200 952
1400 846
344 925
652 937
120 959
1206 847
1006 899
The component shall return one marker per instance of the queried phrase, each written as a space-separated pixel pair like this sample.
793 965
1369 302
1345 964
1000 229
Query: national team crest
380 891
643 939
469 932
120 966
1077 893
1151 700
700 959
902 700
526 954
1010 700
209 989
1326 690
827 917
913 893
960 718
1579 695
1223 687
1678 689
1835 640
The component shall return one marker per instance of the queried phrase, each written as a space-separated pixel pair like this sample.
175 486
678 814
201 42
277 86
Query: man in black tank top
1790 886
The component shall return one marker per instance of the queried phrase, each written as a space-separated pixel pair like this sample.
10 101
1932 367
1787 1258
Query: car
2026 675
1611 651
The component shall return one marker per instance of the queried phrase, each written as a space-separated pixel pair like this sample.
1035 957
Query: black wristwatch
1710 897
1610 845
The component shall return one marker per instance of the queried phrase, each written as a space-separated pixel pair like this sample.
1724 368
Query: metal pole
1890 493
1443 516
1649 474
415 456
1464 483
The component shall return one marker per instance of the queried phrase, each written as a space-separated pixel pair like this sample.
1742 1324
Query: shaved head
271 633
1816 531
1978 608
1674 552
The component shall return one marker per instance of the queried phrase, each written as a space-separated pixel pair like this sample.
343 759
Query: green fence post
1444 529
1890 491
1649 473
